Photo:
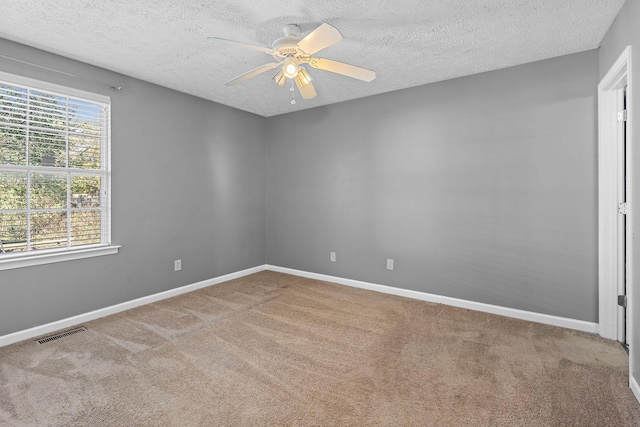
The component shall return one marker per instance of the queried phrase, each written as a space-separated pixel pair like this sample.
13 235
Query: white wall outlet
389 264
177 265
332 256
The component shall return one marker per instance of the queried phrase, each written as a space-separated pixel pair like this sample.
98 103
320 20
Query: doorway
615 272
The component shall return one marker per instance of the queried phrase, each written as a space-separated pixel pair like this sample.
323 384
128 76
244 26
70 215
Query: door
623 227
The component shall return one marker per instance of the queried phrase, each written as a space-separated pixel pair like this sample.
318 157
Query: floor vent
61 335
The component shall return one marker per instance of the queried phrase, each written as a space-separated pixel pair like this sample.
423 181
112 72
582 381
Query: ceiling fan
291 53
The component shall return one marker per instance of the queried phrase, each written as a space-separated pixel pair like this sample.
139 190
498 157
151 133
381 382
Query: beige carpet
272 349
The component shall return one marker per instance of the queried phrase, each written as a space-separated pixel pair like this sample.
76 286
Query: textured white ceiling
407 42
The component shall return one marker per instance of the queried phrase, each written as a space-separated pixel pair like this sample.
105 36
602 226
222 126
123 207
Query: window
54 172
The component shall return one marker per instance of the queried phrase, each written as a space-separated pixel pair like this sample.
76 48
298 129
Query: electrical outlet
332 256
389 264
177 265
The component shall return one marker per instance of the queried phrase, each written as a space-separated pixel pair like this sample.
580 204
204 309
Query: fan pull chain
292 89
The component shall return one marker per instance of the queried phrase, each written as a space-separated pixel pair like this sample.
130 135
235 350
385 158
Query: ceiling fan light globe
290 70
303 78
280 78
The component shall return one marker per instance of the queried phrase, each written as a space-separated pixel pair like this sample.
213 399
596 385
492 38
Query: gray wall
188 183
625 31
481 188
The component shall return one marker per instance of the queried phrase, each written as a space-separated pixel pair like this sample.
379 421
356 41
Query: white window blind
54 168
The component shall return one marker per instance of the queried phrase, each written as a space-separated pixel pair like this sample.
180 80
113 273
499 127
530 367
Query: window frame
47 256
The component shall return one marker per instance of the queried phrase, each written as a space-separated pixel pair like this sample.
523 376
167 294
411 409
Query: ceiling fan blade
245 45
246 76
307 91
342 68
320 38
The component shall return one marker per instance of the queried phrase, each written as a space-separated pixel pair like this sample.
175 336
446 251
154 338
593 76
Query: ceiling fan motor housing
287 46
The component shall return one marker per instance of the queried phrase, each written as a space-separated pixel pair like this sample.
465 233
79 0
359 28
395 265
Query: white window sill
11 261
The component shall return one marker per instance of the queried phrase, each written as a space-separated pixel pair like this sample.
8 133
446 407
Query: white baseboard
635 387
82 318
563 322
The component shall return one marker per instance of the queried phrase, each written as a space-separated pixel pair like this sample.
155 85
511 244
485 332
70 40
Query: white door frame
609 175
